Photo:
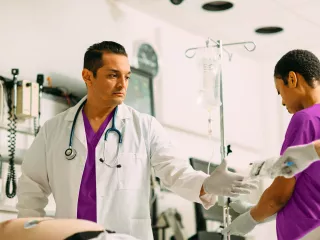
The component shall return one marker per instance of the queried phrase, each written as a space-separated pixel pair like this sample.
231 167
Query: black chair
215 213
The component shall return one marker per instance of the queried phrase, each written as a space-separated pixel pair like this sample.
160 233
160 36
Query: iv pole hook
191 52
253 46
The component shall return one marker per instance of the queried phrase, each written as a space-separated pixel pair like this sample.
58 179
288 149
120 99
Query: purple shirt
302 212
87 200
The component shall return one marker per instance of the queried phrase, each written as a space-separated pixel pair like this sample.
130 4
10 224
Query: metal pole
223 142
190 53
222 139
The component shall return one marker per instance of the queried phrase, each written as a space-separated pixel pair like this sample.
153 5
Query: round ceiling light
176 2
217 6
269 30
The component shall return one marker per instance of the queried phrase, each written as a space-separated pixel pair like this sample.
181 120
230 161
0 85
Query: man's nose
122 81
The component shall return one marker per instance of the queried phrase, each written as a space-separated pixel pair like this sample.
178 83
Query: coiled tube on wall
11 186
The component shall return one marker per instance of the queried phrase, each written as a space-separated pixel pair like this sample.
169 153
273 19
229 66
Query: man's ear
292 79
87 77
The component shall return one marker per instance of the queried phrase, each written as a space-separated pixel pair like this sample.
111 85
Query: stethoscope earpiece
115 166
70 153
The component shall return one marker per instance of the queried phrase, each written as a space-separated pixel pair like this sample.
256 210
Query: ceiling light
269 30
216 6
176 2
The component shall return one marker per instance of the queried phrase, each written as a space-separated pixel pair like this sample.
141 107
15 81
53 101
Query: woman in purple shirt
294 201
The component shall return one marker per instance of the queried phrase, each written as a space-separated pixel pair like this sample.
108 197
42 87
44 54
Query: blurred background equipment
23 99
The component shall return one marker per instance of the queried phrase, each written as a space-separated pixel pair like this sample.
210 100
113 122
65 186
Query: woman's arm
273 198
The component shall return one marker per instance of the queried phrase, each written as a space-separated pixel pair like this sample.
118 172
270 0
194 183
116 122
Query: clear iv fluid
209 92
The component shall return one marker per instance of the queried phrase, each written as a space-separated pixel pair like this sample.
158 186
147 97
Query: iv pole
220 46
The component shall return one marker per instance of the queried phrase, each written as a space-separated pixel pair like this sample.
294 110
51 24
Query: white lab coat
122 193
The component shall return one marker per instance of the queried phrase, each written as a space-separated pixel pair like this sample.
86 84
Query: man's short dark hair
300 61
93 55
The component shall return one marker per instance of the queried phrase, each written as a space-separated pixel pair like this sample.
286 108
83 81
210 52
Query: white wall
51 37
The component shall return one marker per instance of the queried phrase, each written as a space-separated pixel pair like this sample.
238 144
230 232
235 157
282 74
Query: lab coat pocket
132 174
141 229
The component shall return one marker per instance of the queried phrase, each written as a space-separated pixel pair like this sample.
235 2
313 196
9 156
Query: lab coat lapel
121 117
79 131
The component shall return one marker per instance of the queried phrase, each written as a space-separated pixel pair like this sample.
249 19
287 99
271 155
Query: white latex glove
241 225
114 236
243 206
294 160
222 182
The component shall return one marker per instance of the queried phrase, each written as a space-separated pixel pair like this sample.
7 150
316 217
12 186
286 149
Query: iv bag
209 92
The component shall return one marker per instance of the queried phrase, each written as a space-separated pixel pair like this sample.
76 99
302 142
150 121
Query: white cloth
225 183
122 193
299 157
114 236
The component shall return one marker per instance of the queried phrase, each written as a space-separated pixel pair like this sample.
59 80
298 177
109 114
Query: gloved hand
243 206
241 225
294 160
222 182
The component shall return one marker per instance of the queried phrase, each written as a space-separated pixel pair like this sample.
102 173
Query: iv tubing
210 136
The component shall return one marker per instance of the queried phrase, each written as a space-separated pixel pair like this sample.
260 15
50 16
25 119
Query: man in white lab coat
104 176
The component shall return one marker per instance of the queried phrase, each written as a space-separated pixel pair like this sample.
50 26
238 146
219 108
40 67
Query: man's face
111 81
291 98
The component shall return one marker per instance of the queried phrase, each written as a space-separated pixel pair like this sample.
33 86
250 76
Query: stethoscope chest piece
70 153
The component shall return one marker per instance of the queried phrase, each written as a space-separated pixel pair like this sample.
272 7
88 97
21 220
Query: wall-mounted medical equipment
1 179
23 103
36 123
27 99
212 84
2 102
11 89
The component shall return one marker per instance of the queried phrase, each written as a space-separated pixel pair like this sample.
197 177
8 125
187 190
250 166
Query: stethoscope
71 153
